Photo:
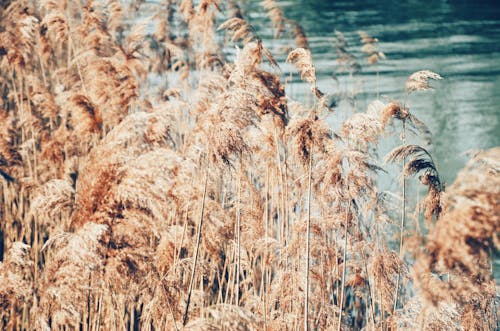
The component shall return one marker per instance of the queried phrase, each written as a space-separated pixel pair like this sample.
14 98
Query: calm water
458 39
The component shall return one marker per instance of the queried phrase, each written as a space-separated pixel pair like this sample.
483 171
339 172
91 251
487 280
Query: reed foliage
153 179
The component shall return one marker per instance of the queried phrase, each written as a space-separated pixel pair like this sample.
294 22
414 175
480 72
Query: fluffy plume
386 266
72 277
398 111
419 81
9 155
53 198
419 160
152 176
306 134
362 129
370 48
239 28
276 15
303 60
455 263
56 25
16 281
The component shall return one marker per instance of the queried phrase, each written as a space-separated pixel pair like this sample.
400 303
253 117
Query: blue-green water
460 40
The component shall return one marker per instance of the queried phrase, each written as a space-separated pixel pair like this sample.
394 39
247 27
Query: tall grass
150 180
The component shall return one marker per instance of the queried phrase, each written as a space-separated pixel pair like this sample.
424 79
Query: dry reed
150 180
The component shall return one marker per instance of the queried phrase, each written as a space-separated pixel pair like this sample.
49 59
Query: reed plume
460 253
158 171
276 15
302 59
16 285
419 81
420 160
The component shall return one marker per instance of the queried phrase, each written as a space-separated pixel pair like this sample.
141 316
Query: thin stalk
132 317
371 303
281 182
99 311
172 314
286 220
344 262
238 221
170 307
402 224
381 306
335 273
198 239
87 326
264 269
308 237
230 272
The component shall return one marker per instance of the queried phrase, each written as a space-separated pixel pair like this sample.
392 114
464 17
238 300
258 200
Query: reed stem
308 238
402 223
344 267
198 240
238 220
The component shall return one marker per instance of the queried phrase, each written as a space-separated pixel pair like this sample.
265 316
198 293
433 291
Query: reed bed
153 179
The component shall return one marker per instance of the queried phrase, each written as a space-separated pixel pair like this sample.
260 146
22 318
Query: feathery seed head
419 81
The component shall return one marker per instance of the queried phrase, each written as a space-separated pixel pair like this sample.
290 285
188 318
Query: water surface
460 40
